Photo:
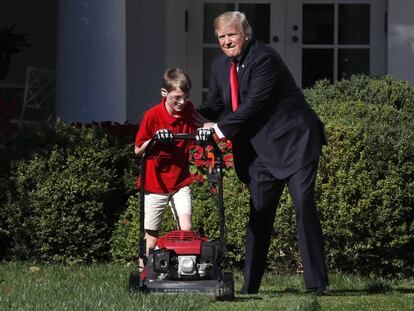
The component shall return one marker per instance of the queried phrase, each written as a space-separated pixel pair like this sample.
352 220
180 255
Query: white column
401 39
91 61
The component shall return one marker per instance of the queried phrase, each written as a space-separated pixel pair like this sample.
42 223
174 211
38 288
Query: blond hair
176 78
235 18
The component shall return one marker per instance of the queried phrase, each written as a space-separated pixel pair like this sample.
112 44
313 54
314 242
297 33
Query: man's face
231 40
175 101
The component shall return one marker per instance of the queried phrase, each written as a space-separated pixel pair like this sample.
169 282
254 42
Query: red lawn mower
186 261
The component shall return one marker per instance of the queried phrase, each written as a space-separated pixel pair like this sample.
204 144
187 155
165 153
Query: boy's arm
139 150
162 135
143 135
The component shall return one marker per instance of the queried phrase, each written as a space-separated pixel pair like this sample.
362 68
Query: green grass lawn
25 286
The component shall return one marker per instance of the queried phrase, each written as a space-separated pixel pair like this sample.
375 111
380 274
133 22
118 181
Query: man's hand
164 136
204 134
208 125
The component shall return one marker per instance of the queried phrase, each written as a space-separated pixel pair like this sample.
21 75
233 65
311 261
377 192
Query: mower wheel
228 286
134 282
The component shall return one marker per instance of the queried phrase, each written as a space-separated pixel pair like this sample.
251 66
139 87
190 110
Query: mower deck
212 288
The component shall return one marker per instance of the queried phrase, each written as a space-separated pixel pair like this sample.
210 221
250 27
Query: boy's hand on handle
164 136
203 134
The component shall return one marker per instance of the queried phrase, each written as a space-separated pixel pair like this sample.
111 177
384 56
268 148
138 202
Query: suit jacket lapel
243 67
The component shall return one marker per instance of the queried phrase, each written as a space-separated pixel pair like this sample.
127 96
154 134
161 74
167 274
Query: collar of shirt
242 56
170 119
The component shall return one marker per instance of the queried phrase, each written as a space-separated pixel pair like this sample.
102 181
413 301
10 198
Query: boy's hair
235 18
176 78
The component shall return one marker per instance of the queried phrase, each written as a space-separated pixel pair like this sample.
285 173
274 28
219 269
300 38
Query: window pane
354 21
208 56
352 61
210 12
258 16
318 24
317 64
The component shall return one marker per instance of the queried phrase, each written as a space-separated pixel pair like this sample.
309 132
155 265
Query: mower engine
184 255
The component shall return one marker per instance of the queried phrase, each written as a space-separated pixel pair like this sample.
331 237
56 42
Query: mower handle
184 136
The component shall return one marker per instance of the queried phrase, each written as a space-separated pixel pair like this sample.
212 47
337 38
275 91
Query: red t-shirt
168 163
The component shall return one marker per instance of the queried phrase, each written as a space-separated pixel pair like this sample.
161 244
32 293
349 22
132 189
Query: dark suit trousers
265 192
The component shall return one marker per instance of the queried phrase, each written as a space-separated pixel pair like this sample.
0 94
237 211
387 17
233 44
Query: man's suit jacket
273 121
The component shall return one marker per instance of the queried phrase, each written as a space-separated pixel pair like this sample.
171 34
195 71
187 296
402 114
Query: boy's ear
164 92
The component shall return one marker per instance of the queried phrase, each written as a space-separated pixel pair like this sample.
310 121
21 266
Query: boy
167 177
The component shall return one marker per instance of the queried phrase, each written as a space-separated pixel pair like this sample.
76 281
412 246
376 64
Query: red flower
213 190
198 156
229 145
228 158
197 178
200 178
199 149
202 159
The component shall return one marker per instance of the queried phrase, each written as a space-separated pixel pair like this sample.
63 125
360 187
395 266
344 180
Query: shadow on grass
340 292
270 293
372 291
246 298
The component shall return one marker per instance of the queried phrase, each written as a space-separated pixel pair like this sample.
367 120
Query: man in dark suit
277 140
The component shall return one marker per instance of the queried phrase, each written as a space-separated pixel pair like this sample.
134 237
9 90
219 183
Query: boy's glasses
180 99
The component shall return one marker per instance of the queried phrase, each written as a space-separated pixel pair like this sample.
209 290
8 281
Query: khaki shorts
156 203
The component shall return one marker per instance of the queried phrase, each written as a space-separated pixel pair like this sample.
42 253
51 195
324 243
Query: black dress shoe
321 291
244 291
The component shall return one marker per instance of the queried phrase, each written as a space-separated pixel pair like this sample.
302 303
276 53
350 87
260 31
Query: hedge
64 191
69 196
365 185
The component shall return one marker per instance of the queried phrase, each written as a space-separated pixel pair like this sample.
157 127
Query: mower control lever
203 136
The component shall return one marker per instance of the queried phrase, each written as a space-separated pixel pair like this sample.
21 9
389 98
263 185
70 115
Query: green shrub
65 194
365 183
125 237
378 91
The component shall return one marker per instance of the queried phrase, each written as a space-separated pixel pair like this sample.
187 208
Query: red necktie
234 85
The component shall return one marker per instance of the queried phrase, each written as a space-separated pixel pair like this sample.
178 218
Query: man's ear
164 92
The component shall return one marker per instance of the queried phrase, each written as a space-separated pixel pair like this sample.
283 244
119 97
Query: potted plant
10 43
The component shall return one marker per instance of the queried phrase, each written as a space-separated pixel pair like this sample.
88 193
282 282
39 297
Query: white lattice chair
39 97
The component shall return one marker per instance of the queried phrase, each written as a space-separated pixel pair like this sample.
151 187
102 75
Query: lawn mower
186 261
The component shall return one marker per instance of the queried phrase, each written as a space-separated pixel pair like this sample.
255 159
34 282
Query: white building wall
91 61
145 55
110 59
401 39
